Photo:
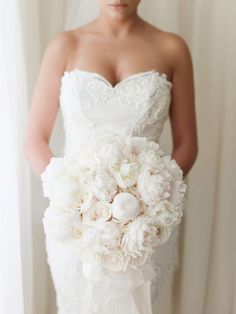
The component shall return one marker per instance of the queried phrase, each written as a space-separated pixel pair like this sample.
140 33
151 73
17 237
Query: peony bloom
115 200
103 237
104 186
125 172
165 214
140 235
125 206
154 185
59 224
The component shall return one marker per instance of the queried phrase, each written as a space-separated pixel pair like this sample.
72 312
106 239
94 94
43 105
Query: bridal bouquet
116 199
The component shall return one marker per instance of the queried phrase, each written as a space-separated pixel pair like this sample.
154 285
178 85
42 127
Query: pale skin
117 44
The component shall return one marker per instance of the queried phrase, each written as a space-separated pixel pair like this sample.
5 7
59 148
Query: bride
120 73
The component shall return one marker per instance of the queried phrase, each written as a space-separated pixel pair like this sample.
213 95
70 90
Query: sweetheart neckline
152 71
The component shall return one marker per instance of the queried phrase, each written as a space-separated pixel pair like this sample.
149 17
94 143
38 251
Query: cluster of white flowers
118 198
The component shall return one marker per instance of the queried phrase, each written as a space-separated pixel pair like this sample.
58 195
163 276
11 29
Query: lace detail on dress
138 105
164 261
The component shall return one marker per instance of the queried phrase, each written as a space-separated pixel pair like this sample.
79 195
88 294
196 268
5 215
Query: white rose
104 186
125 206
59 224
85 200
98 212
165 213
140 235
154 185
103 238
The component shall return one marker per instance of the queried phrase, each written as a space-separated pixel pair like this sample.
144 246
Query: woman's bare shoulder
69 38
63 40
169 40
174 44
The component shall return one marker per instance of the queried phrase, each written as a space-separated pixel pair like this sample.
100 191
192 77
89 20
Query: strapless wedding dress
138 106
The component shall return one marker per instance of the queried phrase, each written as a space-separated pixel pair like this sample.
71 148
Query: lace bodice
138 105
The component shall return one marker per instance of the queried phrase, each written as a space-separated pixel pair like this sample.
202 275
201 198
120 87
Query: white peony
54 171
165 214
59 224
115 200
107 147
138 144
177 197
154 185
62 188
155 147
104 186
150 159
125 172
140 235
98 212
103 237
172 167
125 206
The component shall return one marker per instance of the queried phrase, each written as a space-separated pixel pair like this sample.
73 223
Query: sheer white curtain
15 215
205 281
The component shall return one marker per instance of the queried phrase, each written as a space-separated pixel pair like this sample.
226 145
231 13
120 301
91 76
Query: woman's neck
118 27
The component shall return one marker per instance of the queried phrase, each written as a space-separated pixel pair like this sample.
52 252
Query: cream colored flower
154 185
104 186
98 212
165 214
59 224
125 172
141 235
103 238
125 206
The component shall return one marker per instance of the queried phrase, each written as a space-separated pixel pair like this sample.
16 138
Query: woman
90 68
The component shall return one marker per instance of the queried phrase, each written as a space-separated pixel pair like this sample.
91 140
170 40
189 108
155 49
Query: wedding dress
138 106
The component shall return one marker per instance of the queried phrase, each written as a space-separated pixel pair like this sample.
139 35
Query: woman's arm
45 103
182 109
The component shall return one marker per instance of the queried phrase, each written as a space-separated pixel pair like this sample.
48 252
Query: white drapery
16 274
205 281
